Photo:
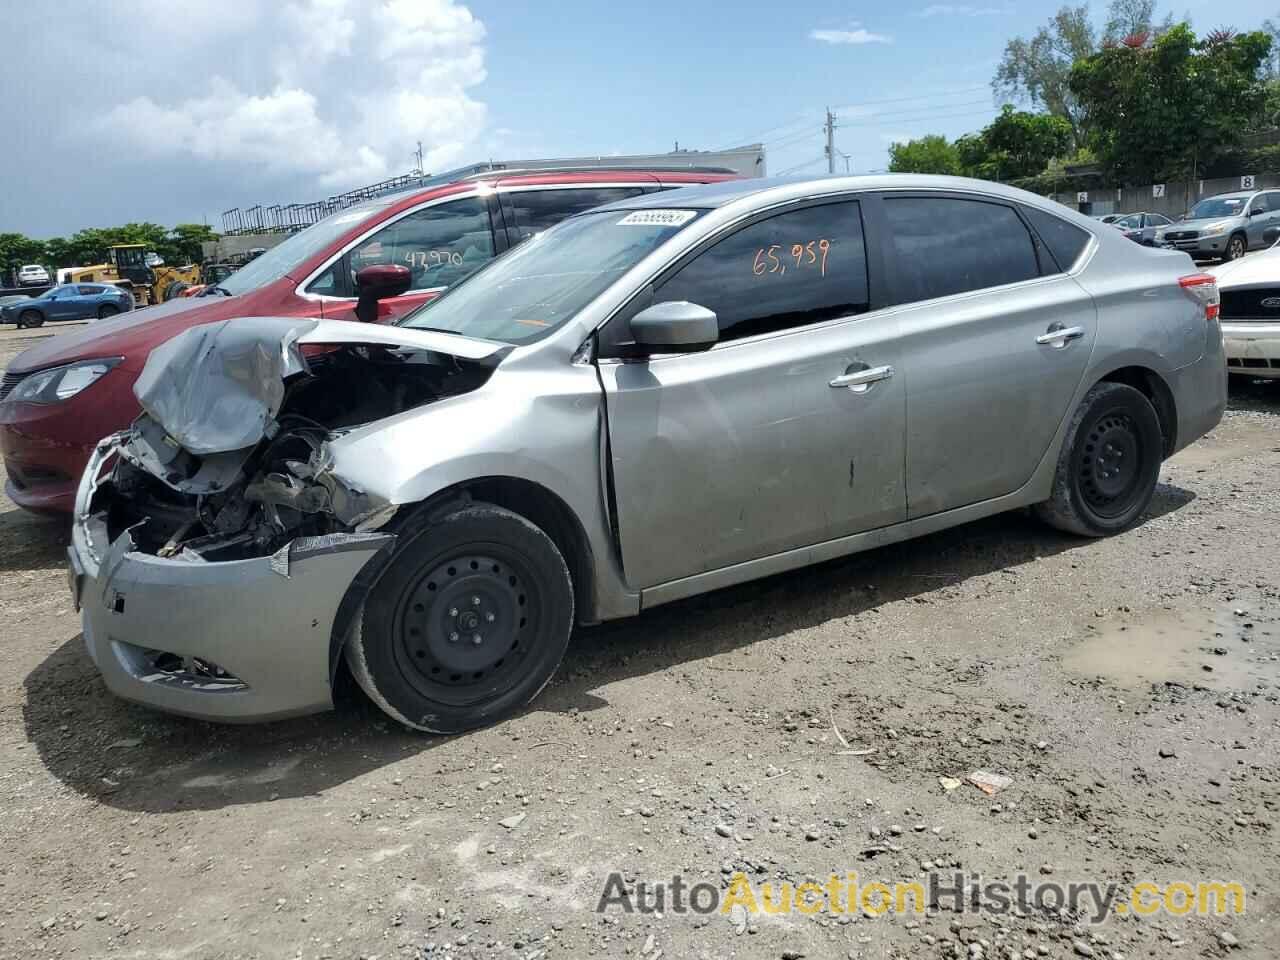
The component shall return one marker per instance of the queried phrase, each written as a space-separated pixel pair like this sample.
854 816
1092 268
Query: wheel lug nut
453 637
477 639
475 601
489 618
453 611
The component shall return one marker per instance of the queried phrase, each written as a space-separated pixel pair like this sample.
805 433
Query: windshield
1131 222
286 256
543 282
1218 207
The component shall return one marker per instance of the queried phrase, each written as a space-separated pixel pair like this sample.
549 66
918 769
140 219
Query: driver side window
440 245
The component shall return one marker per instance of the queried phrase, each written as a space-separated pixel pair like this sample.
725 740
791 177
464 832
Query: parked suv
650 400
1225 227
440 233
32 275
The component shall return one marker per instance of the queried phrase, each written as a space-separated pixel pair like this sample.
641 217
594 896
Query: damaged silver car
645 402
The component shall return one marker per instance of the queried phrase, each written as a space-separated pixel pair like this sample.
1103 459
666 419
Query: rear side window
89 291
943 246
1065 240
796 268
531 211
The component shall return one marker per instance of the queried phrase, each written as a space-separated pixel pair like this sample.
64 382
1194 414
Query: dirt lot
790 728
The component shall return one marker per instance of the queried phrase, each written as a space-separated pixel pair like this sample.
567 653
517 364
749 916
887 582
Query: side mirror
675 326
376 283
1271 235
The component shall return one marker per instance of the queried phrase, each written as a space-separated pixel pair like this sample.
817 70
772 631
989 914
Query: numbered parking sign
1082 197
1157 190
1246 183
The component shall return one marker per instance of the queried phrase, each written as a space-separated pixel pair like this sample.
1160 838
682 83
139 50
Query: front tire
1108 466
1237 247
467 624
30 318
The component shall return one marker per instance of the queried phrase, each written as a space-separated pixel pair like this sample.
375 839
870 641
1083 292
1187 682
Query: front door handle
860 381
1058 336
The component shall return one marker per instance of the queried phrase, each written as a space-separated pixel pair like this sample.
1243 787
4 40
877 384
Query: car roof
763 189
1236 195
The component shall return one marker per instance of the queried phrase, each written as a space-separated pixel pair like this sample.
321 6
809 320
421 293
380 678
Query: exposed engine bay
180 495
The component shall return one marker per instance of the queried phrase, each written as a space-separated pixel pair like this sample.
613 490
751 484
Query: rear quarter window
1065 240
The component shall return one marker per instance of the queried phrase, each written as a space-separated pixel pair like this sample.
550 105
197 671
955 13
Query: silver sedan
673 394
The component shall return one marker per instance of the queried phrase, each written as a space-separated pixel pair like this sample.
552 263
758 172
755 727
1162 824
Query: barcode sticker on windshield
657 218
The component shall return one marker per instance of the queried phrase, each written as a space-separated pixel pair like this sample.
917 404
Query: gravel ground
803 725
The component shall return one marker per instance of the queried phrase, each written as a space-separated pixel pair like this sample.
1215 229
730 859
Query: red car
60 397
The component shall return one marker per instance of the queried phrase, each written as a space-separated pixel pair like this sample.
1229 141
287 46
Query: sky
175 110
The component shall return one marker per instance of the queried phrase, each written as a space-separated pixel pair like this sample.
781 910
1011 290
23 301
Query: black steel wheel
1110 460
1236 247
107 310
467 623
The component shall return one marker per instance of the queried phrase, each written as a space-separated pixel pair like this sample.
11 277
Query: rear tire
174 290
1108 466
467 624
106 310
30 318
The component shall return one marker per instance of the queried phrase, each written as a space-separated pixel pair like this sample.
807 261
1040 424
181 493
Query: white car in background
1250 310
32 275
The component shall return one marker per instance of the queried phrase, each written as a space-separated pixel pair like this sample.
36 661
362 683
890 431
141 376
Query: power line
808 114
799 166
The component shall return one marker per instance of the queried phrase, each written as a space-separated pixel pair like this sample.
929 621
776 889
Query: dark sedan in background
70 301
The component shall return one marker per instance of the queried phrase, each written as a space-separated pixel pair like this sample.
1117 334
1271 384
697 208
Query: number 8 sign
1246 183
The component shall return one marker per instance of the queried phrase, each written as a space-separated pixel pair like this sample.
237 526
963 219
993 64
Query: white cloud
856 34
347 89
959 10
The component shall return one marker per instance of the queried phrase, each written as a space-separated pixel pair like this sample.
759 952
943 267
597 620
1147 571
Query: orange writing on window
803 256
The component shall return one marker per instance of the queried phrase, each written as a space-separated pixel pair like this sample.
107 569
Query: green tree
17 250
184 241
1037 71
1170 107
929 154
1021 144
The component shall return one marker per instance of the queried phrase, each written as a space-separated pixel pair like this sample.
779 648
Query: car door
1155 223
87 300
788 432
1257 219
62 304
441 243
995 339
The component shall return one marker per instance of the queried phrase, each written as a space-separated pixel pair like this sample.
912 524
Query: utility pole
830 128
417 155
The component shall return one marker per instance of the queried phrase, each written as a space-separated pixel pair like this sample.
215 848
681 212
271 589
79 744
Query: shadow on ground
136 759
30 541
1254 396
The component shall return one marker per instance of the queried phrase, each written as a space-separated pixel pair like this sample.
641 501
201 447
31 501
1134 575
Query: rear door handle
1059 336
859 381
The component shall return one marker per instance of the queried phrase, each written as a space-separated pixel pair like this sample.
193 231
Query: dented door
749 449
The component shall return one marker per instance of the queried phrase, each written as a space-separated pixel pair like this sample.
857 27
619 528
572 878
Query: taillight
1203 289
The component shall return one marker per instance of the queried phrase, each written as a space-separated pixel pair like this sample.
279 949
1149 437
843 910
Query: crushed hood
217 387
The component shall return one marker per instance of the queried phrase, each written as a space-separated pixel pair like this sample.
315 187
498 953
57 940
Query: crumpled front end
214 542
232 640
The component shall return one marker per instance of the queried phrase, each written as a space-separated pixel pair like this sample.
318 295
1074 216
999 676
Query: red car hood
129 335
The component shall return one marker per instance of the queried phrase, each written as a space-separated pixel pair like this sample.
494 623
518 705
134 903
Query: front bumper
1200 247
235 641
1253 348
